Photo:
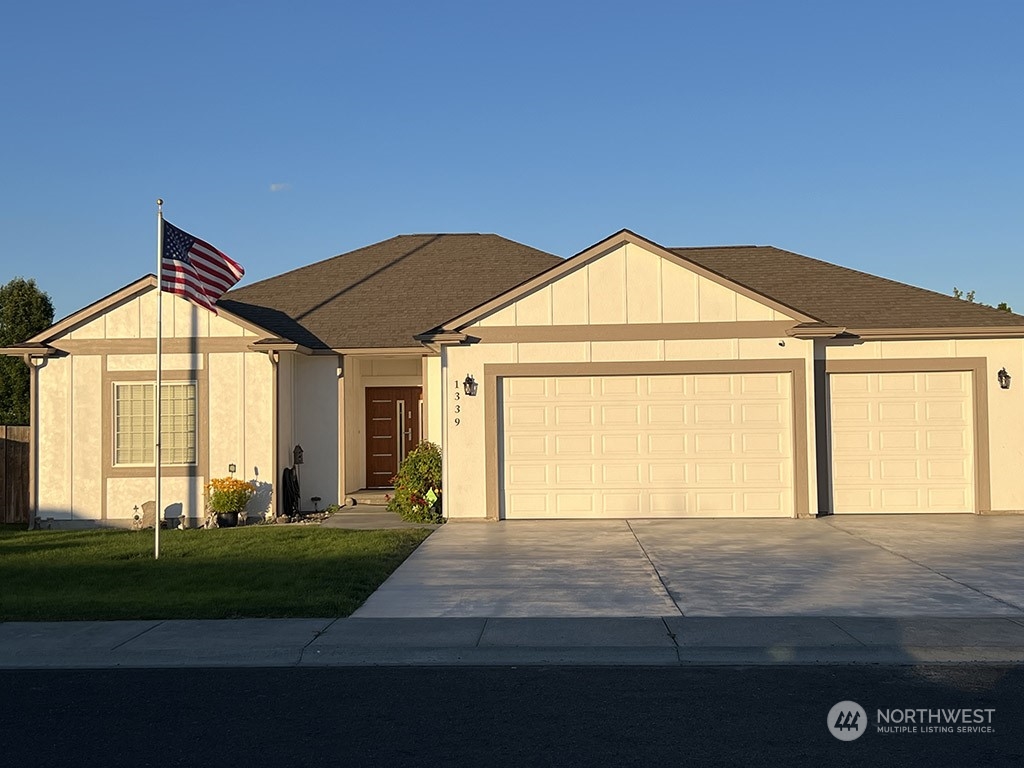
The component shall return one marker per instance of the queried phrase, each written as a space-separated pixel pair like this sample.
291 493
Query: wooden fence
14 474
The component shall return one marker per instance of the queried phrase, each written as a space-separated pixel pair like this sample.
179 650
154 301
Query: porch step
365 496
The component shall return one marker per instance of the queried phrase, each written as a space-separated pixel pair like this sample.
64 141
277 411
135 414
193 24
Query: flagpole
159 363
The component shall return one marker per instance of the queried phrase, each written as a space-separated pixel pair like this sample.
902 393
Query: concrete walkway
368 517
671 640
895 566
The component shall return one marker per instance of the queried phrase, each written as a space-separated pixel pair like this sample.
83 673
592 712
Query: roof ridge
322 261
714 247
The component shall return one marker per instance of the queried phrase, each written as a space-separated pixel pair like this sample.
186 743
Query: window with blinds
134 417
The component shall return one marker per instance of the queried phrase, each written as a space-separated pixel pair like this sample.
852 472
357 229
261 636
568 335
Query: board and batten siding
630 285
77 481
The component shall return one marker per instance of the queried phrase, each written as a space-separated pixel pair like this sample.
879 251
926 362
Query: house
631 380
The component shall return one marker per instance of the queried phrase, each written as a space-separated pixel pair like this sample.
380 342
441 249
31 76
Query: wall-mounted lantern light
232 468
1004 378
469 385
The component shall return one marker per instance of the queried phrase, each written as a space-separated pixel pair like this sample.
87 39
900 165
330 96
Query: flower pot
227 519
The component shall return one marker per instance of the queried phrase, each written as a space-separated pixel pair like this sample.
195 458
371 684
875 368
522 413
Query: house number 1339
458 405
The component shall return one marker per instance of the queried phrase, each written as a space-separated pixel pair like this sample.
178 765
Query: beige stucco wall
241 422
315 417
53 442
1005 407
76 479
630 285
466 444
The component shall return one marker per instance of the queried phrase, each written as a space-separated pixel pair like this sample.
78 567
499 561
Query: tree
24 311
969 298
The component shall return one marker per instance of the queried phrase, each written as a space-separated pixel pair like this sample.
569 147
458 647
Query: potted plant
227 498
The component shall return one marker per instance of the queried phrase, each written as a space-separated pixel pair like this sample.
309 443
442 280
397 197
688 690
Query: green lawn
259 571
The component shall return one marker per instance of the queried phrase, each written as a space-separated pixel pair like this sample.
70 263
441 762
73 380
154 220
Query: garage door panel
954 470
580 445
653 446
762 443
528 415
618 386
666 415
665 387
527 389
621 504
763 503
945 412
716 474
942 440
712 385
713 443
762 414
906 445
574 474
952 382
674 473
574 415
713 413
898 440
620 445
574 385
674 444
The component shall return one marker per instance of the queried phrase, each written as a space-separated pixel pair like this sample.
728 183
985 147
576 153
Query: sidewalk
668 641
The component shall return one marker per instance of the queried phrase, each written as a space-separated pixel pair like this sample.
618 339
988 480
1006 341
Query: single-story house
630 380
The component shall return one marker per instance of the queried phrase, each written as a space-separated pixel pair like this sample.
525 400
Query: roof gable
627 279
130 313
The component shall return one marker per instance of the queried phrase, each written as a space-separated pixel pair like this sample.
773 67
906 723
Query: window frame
150 384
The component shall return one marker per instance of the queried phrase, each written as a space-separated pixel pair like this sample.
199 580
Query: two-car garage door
697 445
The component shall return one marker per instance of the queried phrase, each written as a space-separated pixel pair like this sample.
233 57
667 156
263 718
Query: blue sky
884 136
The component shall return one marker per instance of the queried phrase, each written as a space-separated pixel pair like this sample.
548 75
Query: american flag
195 269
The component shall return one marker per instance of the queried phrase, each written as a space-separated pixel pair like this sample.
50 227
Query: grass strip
258 571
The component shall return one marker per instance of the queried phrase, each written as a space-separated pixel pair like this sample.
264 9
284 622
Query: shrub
227 494
417 481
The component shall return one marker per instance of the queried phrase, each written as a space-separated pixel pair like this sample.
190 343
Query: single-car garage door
902 442
704 445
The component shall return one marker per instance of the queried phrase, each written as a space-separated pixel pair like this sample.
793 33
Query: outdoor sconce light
469 385
232 468
1004 378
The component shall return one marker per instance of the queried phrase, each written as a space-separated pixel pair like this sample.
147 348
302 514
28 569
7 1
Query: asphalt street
498 716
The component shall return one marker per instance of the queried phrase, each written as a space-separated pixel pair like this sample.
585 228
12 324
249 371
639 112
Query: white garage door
902 442
707 445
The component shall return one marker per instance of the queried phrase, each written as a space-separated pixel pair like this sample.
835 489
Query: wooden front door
392 430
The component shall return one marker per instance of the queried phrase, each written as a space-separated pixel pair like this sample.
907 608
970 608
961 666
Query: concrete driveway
901 565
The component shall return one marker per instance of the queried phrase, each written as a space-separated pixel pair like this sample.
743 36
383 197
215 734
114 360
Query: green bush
419 479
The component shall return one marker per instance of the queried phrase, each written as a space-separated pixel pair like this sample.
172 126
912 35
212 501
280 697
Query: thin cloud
280 187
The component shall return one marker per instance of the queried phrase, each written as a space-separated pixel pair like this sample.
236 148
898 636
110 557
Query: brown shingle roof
384 294
839 296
